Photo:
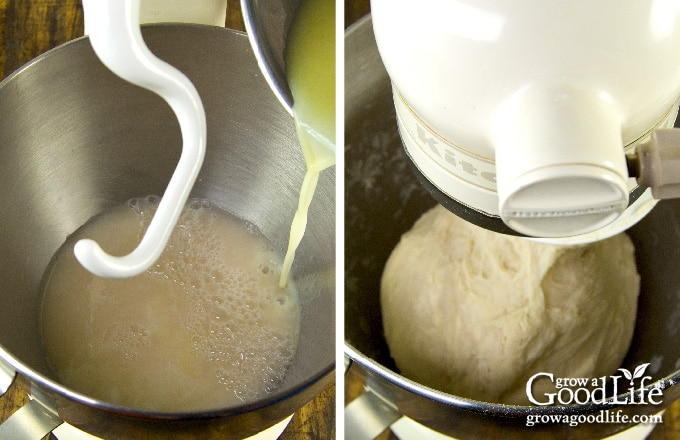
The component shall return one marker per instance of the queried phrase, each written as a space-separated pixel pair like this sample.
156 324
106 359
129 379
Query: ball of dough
476 313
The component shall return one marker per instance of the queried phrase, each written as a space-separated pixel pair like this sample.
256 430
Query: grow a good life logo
629 388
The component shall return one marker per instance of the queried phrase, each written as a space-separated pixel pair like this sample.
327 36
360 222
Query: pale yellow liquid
311 76
206 327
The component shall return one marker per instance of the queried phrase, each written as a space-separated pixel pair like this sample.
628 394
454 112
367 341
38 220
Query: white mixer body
525 109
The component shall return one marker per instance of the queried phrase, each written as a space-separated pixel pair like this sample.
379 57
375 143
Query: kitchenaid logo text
629 388
472 169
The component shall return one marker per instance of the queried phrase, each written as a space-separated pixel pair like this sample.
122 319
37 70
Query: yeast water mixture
206 327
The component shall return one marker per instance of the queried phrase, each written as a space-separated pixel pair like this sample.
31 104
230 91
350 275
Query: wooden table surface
31 27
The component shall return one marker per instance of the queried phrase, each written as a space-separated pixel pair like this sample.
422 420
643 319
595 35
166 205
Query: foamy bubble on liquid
227 298
223 325
129 339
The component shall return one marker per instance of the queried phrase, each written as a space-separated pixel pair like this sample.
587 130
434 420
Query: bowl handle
368 415
32 421
7 375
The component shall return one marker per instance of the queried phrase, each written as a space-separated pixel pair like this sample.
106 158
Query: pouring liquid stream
311 76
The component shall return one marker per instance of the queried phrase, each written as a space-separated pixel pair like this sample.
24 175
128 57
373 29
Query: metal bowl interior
383 198
75 141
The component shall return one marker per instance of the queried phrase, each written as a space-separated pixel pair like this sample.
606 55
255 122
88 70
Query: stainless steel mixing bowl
382 201
75 141
269 23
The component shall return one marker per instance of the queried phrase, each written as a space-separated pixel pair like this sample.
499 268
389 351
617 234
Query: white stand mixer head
560 167
524 112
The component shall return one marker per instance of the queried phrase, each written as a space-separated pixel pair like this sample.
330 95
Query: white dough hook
115 35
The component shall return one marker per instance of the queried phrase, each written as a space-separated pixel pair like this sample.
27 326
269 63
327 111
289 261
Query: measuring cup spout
117 40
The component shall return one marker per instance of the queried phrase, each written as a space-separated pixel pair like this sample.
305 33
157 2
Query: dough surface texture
475 313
